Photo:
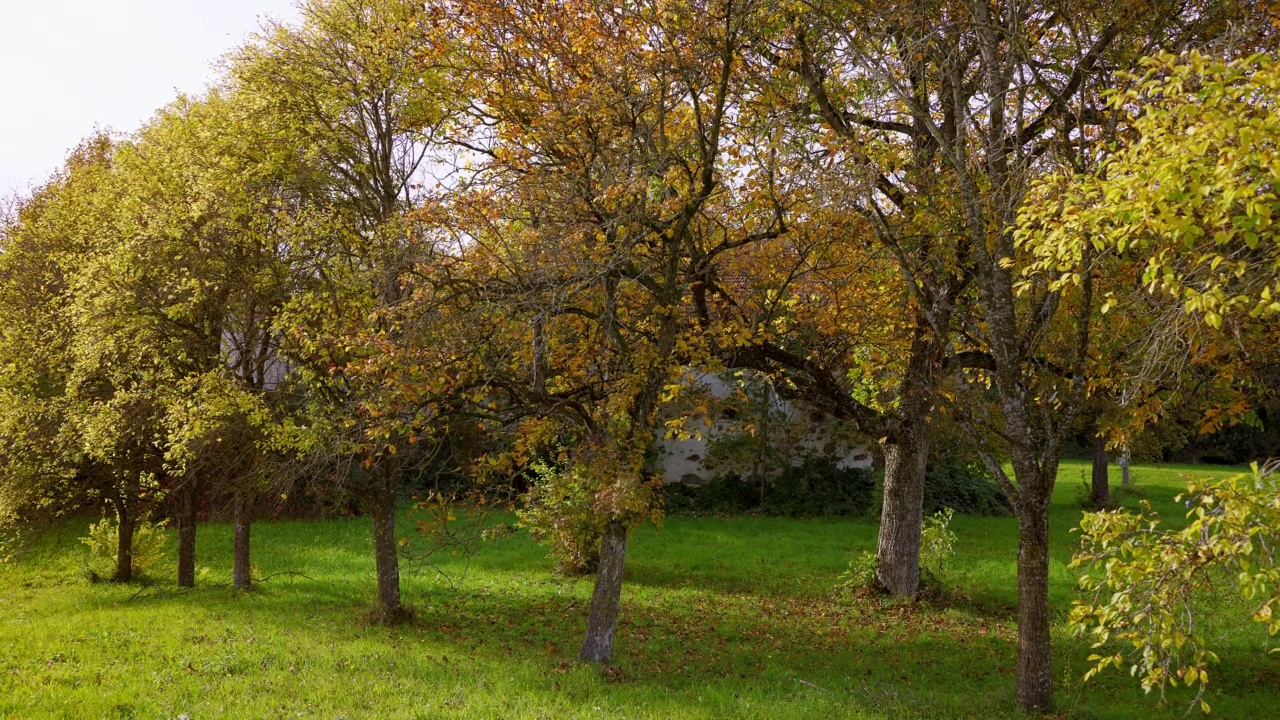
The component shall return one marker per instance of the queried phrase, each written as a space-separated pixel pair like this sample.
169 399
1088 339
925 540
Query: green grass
721 618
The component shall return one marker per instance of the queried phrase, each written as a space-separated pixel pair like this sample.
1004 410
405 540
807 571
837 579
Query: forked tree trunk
1100 490
186 517
1035 657
906 454
124 543
597 647
382 510
242 519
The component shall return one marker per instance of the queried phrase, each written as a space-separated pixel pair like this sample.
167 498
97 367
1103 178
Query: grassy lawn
721 618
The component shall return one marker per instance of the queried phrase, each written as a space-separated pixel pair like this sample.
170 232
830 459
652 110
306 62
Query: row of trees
502 233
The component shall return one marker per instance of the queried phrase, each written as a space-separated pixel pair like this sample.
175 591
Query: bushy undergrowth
937 541
149 542
816 487
937 546
963 486
557 512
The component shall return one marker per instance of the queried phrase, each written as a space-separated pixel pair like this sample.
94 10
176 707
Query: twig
285 572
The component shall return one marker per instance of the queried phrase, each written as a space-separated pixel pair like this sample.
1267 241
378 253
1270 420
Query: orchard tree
602 192
186 295
82 387
1191 194
947 111
41 247
347 87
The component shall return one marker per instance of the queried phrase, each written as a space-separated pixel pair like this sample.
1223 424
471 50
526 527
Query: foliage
937 546
1193 192
1143 578
720 495
963 487
563 510
817 486
814 487
861 573
937 541
267 278
150 545
558 513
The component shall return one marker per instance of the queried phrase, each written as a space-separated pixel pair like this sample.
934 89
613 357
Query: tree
947 111
347 87
1191 194
42 244
76 388
601 195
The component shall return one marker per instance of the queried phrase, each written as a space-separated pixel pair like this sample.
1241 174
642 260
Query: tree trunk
1100 491
186 518
906 454
597 647
242 574
1124 468
898 548
382 510
124 543
1035 655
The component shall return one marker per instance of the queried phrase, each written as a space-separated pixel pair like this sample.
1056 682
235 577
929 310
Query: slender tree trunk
242 574
1124 467
186 517
906 454
1100 493
124 543
607 596
382 511
1035 656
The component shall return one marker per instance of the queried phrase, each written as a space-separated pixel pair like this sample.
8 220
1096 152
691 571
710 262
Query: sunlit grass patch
736 618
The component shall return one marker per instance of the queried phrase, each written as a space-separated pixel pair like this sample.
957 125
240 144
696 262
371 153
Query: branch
1057 101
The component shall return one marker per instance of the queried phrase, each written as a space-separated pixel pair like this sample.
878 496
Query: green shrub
937 542
558 512
861 573
718 496
149 541
818 487
812 488
964 487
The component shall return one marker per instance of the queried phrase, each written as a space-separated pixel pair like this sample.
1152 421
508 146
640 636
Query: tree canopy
492 242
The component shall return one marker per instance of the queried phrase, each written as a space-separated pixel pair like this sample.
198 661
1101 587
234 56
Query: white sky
71 65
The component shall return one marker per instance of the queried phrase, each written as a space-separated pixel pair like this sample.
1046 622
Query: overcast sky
71 65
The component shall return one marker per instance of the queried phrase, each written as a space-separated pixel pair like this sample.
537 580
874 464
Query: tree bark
1035 656
1100 490
607 596
242 574
382 511
124 543
906 454
898 547
186 518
